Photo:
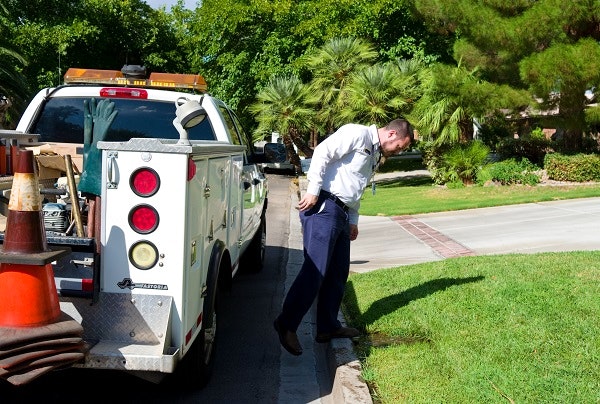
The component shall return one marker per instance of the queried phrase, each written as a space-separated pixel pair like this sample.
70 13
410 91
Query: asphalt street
569 225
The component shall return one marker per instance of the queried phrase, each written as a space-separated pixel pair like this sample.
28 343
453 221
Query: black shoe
342 332
288 339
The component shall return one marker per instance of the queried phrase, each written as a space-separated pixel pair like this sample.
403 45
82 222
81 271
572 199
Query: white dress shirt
343 164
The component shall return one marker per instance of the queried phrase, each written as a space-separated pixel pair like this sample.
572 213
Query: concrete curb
344 366
348 383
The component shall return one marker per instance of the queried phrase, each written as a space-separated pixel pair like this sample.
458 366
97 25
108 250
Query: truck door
252 181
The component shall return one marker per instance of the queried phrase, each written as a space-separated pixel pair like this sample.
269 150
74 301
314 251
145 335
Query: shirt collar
374 135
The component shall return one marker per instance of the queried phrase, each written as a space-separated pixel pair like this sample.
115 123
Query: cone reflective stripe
25 222
28 294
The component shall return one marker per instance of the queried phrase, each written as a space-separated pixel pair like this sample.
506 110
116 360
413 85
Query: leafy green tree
566 70
547 46
13 88
240 44
54 35
281 107
452 98
392 26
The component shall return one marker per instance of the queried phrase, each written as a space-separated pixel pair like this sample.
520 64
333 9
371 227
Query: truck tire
254 257
196 367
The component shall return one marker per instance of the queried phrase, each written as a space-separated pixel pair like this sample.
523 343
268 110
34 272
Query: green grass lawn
493 329
417 194
490 329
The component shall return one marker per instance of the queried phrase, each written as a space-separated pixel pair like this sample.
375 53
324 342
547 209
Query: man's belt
334 198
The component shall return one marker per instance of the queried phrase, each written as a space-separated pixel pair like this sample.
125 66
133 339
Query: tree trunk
291 152
300 143
466 130
572 113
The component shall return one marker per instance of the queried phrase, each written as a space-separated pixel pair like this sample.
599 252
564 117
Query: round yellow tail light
143 254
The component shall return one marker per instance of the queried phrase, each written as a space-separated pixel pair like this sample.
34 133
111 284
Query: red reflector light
191 169
144 182
87 285
143 219
123 92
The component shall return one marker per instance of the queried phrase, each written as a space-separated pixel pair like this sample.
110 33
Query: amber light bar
192 81
75 75
117 78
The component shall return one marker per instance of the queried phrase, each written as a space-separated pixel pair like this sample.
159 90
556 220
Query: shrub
537 134
509 172
579 167
531 148
464 160
432 158
494 130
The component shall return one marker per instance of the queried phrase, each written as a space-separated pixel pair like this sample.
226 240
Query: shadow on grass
402 164
389 304
407 181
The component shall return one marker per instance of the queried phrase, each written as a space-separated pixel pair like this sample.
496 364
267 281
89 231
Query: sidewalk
344 367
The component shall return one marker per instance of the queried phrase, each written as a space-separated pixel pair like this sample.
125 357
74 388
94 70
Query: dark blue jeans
325 269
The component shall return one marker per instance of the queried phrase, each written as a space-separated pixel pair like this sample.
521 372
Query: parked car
275 158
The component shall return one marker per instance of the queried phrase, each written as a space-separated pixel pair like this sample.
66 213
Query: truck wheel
254 256
196 368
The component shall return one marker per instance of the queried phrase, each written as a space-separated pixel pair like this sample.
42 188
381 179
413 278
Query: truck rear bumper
126 332
117 356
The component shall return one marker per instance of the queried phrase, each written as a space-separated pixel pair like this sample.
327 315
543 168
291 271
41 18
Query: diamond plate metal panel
200 147
119 356
123 317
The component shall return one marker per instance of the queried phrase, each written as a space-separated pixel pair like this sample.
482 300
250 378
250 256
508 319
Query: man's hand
353 232
307 201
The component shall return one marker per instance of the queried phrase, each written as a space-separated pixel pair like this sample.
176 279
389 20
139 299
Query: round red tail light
143 219
144 182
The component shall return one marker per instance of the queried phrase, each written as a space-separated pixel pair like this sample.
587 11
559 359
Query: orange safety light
118 78
174 80
75 75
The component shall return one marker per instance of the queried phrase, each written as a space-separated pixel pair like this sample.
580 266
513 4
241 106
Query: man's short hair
402 127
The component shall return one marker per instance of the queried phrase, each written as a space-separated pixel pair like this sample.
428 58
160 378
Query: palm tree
440 114
377 94
453 97
280 106
331 67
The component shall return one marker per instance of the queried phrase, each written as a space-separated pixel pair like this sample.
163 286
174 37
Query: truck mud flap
126 331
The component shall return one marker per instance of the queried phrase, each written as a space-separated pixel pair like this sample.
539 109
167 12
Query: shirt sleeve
353 216
336 146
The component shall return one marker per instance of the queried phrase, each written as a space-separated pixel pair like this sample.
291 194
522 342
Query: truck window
251 151
233 132
61 120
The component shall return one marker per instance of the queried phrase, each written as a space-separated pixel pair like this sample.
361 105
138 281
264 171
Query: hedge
578 168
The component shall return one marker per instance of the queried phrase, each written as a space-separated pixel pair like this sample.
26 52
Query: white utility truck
180 208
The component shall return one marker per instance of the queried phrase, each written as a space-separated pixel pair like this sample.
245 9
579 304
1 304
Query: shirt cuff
353 217
313 189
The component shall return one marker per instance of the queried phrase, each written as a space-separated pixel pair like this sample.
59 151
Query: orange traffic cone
28 294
